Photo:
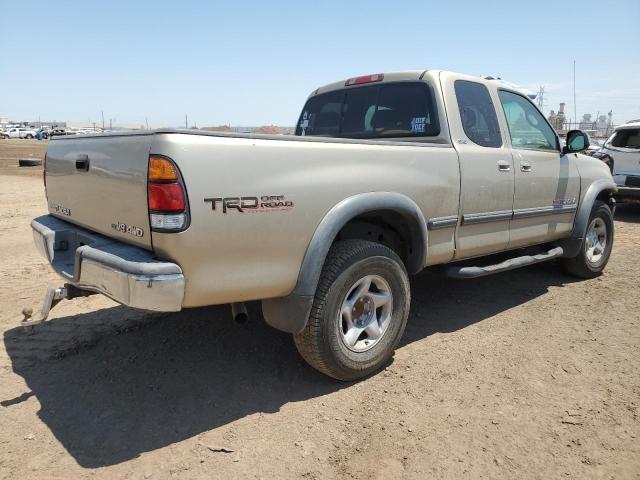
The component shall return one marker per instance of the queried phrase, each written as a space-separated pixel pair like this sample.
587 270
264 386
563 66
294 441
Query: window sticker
304 123
418 124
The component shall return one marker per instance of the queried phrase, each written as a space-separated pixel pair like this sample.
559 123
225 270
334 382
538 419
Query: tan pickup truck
386 175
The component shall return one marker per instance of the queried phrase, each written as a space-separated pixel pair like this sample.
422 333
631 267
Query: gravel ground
528 374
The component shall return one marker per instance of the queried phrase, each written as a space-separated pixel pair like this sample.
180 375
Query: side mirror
577 141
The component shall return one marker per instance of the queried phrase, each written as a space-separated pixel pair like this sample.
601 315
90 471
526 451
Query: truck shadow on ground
628 213
183 374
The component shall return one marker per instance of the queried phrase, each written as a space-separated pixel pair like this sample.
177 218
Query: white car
21 133
621 153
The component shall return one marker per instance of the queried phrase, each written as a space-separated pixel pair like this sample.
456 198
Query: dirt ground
528 374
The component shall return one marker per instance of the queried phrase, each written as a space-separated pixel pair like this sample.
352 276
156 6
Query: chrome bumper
129 275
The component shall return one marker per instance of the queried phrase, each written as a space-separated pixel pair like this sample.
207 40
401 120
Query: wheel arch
602 189
290 313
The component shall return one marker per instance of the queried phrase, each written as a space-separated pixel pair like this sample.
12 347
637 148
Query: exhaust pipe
239 312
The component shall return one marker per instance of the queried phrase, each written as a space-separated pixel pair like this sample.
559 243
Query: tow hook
51 298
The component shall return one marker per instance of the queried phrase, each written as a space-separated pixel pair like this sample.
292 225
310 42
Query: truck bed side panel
257 253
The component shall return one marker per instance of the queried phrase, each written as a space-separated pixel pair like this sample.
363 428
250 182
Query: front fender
571 245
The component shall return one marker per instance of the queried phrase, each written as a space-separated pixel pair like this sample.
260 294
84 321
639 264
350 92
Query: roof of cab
415 75
406 75
630 124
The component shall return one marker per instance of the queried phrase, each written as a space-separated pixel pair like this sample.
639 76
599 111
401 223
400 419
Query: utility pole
110 125
186 124
102 113
575 108
146 122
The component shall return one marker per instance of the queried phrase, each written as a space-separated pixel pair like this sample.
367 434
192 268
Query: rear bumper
129 275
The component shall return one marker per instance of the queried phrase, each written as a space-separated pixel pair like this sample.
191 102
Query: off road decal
263 203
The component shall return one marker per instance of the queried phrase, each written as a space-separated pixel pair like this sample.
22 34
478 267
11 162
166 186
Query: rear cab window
387 110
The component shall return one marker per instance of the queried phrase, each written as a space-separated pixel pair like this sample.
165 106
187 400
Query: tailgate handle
82 163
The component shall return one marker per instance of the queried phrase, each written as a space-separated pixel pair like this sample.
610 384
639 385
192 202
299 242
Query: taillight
166 197
168 210
378 77
44 172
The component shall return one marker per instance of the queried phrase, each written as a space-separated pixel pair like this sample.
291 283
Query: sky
253 63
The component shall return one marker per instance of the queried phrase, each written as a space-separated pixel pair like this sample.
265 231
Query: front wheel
359 311
596 245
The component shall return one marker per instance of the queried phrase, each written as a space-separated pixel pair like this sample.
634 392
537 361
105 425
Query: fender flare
571 245
290 313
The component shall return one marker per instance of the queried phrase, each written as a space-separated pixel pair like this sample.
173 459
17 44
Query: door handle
504 166
525 167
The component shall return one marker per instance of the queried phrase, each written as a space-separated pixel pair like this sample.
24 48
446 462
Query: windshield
626 138
401 109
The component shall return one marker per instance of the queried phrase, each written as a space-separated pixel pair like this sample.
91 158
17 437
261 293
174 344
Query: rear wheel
596 244
359 311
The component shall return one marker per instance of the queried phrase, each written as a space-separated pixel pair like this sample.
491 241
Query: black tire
28 162
28 136
321 343
581 266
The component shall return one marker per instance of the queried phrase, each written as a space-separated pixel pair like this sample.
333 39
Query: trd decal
264 203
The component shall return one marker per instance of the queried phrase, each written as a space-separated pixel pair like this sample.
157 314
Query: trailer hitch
52 297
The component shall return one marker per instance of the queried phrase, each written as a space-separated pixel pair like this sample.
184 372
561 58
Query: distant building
557 120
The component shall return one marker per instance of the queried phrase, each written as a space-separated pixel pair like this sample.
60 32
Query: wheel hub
362 310
596 241
365 313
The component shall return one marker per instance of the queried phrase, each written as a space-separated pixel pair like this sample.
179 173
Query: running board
512 263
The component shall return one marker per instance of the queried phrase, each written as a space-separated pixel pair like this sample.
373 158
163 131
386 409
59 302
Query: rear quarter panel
233 256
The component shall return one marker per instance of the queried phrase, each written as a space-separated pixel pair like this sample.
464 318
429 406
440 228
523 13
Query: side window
479 119
527 126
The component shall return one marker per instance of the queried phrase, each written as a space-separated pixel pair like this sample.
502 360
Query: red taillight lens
166 197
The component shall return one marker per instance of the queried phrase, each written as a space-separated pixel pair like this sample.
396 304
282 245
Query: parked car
45 131
621 153
55 132
3 135
19 132
386 175
594 145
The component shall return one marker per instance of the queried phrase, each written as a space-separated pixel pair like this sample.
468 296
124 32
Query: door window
527 126
478 114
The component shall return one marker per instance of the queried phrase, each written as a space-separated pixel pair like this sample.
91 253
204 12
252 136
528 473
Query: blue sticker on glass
418 124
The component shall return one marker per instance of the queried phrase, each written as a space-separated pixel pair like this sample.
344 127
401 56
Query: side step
512 263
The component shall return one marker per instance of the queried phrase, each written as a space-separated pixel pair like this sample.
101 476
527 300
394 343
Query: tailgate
100 183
